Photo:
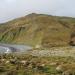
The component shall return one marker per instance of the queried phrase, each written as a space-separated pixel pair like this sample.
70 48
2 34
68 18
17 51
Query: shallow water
8 48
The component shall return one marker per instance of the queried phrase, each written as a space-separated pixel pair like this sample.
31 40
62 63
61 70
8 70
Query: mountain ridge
39 29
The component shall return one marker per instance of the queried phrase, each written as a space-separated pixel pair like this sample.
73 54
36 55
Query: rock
40 66
37 46
53 64
23 62
59 68
2 60
7 62
68 72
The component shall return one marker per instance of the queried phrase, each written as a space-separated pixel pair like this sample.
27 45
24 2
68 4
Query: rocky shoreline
61 52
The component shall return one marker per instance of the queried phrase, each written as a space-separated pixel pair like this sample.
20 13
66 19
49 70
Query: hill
39 30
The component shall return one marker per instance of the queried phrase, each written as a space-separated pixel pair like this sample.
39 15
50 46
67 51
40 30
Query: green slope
38 29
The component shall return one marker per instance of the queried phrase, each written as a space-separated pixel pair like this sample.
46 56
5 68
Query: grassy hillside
39 29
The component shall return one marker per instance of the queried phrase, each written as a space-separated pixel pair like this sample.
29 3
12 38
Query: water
8 48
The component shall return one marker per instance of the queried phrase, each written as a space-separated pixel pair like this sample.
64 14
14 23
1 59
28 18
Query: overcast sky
10 9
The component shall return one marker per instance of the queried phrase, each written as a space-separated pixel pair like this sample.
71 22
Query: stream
8 48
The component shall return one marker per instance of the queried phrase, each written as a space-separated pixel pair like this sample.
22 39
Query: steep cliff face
38 29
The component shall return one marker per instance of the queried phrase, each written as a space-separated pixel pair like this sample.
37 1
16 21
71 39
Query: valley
38 44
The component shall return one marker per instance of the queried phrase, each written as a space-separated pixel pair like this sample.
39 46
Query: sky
11 9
